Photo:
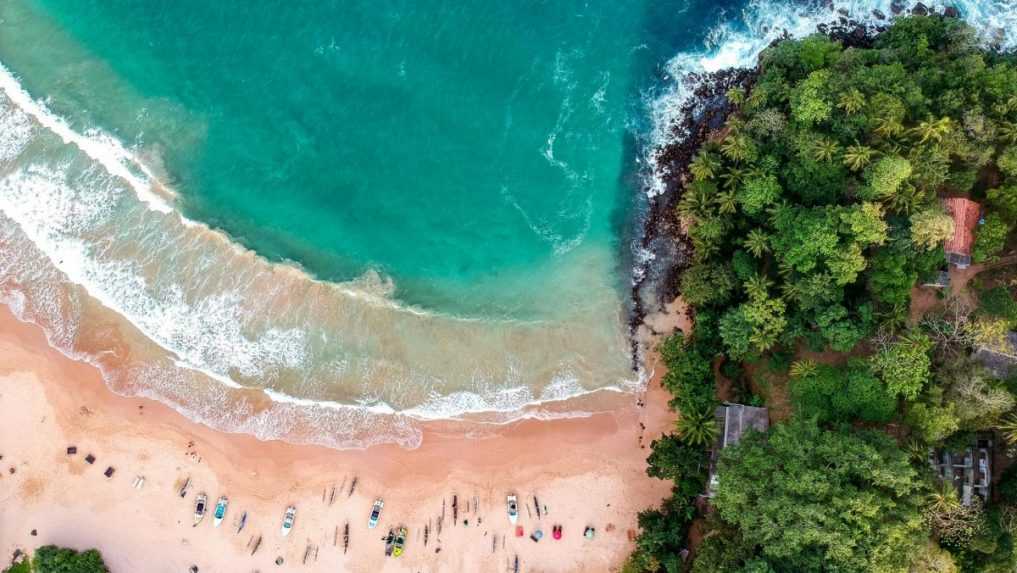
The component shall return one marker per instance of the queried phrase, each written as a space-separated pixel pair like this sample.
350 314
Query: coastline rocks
951 12
920 10
879 14
897 6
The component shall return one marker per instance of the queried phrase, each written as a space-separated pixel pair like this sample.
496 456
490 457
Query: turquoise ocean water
325 221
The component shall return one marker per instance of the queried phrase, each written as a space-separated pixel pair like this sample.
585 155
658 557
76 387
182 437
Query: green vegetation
813 214
53 559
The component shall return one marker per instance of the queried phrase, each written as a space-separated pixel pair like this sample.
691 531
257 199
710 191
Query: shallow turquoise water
445 144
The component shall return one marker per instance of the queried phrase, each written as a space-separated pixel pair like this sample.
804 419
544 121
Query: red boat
556 531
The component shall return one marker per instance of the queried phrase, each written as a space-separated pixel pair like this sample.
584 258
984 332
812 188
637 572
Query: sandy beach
584 472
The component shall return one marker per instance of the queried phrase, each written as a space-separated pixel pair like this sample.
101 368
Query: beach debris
89 459
346 538
185 487
519 531
139 482
494 543
109 472
279 560
200 505
537 505
427 532
589 532
220 510
288 518
335 536
529 513
455 509
353 486
193 569
372 521
243 522
331 496
34 532
343 486
257 545
71 450
513 508
537 535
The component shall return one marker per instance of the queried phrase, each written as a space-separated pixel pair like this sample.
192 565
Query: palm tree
888 127
852 102
802 368
733 178
1008 427
726 203
697 428
857 157
757 287
1008 132
695 203
736 96
757 243
738 147
933 130
704 166
824 149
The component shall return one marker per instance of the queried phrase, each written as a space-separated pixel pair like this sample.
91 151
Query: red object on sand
556 531
519 531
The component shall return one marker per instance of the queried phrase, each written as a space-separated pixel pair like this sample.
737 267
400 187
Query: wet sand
586 471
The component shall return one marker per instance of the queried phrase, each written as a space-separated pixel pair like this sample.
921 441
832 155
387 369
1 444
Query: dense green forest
53 559
815 213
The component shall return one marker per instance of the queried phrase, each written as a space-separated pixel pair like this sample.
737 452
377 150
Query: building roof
1000 360
736 419
965 213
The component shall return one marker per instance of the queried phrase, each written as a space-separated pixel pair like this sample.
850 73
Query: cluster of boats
395 541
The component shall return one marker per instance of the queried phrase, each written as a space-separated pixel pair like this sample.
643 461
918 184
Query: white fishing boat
288 518
513 508
200 508
372 522
220 510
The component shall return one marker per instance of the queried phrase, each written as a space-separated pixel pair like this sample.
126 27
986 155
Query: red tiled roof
965 219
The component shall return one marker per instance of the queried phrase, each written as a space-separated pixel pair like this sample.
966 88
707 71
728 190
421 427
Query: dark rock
109 472
879 14
951 12
71 450
920 10
843 12
90 459
34 533
897 6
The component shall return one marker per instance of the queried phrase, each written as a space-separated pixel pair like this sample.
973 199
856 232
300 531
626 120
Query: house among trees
1000 360
734 420
969 470
965 213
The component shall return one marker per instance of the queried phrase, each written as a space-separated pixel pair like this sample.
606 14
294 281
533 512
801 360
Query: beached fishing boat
395 541
372 522
400 541
513 508
200 507
243 522
288 518
220 510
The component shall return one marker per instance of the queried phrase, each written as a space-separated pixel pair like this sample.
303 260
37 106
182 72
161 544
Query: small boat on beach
513 508
372 522
220 510
288 519
184 488
243 522
396 541
200 508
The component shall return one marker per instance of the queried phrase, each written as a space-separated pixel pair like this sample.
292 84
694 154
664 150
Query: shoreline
65 501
